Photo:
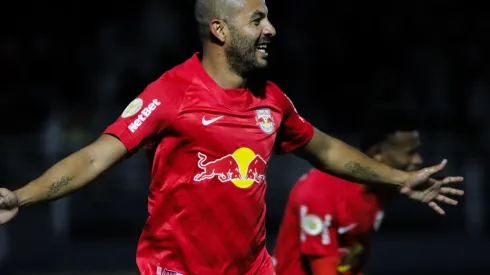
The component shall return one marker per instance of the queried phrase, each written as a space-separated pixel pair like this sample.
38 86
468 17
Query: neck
214 63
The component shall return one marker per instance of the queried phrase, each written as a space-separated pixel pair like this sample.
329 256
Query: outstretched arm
73 172
336 157
144 119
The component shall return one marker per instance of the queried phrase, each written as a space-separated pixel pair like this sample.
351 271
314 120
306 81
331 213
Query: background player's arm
73 172
323 265
336 157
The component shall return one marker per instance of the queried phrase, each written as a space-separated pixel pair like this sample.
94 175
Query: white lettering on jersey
327 223
313 225
144 114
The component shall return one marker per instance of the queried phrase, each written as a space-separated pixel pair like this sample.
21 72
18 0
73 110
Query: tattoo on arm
56 186
357 170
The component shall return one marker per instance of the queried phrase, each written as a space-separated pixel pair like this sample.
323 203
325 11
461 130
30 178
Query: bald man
209 127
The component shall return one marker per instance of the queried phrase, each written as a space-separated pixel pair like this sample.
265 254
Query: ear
218 29
378 157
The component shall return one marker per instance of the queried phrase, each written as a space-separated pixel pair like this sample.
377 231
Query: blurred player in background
329 222
209 126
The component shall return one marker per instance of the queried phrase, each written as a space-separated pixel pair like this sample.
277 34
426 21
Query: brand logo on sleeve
133 108
144 114
313 225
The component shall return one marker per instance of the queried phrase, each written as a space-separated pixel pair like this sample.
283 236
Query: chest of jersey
208 123
229 144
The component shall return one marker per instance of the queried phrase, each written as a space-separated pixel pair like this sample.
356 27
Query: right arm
73 172
143 119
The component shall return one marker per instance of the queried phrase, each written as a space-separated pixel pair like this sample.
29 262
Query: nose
269 30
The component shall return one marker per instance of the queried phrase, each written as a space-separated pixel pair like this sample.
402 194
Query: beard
241 53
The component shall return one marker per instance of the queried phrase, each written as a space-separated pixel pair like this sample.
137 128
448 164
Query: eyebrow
258 14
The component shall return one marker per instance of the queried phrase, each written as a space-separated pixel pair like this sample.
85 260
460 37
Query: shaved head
207 10
235 32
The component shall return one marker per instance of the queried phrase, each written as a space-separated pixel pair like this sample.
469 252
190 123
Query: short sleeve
149 114
294 130
318 227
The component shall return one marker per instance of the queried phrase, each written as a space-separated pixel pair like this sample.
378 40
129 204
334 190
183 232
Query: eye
257 17
257 21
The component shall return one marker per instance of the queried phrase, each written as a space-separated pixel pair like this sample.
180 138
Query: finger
448 180
446 200
451 191
436 168
436 208
405 190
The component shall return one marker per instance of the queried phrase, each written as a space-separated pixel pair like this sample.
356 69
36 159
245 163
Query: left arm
336 157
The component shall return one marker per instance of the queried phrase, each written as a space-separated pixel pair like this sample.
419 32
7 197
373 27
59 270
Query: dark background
69 69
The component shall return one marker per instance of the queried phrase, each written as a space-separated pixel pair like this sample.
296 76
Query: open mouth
262 47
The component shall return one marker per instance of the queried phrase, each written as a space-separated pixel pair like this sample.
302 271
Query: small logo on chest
265 120
207 122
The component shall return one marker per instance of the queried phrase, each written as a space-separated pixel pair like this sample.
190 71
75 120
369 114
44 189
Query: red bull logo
264 120
242 168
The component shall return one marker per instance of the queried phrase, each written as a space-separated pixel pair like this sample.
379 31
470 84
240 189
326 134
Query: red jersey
209 149
326 216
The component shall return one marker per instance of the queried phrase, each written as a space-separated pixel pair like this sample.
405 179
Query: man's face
401 151
250 33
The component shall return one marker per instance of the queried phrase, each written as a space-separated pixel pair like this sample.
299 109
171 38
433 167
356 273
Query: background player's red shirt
209 149
326 216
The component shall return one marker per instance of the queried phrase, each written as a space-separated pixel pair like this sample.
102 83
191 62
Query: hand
9 205
420 186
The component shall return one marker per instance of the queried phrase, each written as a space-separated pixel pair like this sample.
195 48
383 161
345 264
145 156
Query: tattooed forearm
359 171
56 186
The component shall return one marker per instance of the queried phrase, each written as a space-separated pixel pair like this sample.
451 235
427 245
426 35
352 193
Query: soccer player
329 222
209 128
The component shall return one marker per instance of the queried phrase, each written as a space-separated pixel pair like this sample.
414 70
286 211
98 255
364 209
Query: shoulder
312 186
316 196
171 85
274 92
167 91
278 96
178 78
